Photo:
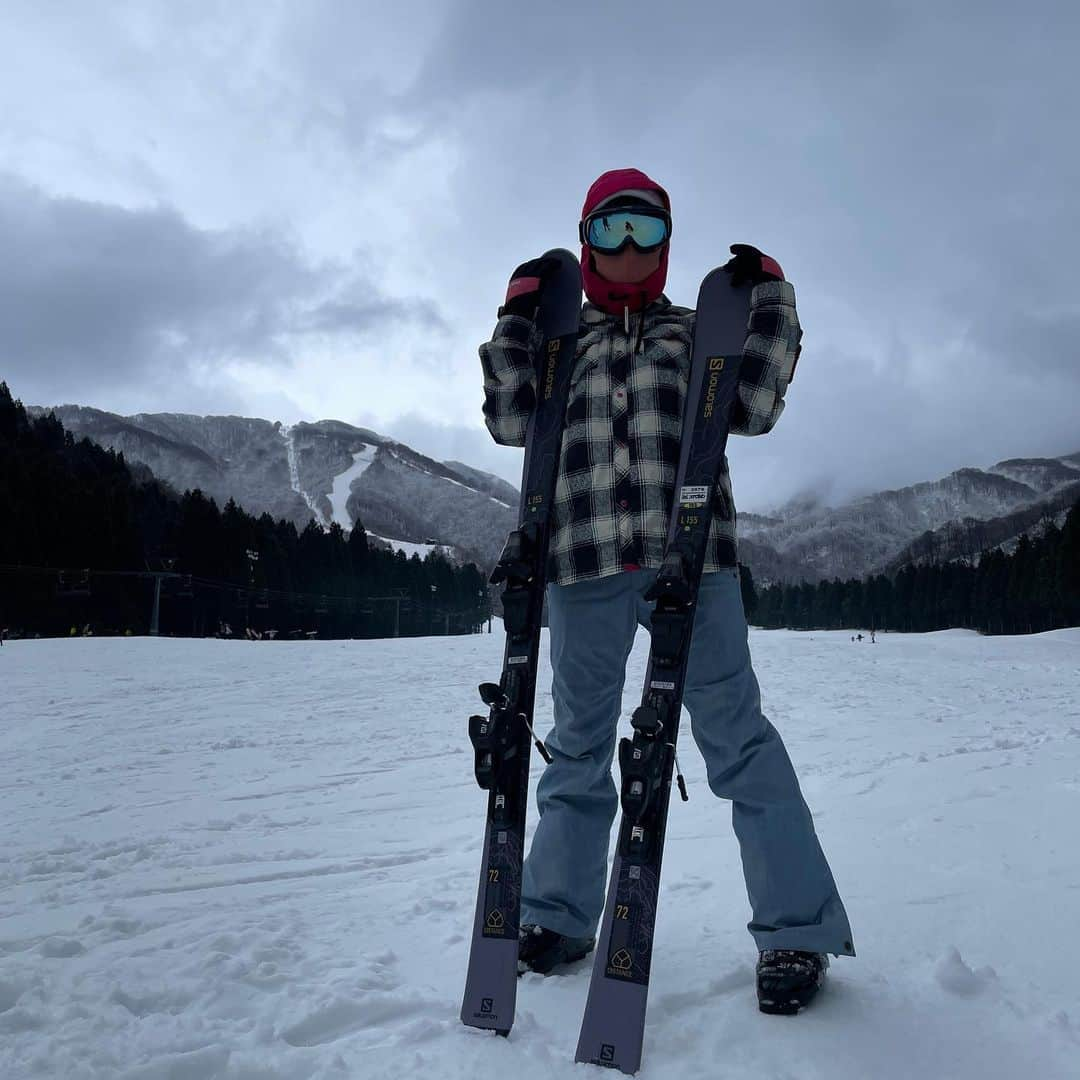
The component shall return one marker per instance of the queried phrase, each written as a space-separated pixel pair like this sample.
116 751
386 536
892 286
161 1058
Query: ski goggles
609 231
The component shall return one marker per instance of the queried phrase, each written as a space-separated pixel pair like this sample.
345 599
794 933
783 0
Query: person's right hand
526 287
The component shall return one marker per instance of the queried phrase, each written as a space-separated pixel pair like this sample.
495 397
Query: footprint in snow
953 975
10 992
345 1017
691 885
61 948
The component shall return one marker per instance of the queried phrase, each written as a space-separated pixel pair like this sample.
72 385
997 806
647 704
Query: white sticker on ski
694 495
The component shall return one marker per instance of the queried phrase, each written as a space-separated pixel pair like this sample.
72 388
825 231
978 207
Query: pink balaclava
611 296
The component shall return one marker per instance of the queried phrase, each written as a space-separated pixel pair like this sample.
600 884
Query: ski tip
561 253
719 272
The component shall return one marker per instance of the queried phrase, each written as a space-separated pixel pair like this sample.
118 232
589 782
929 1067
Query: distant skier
873 639
612 503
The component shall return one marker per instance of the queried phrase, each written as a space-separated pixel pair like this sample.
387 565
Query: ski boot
543 950
788 979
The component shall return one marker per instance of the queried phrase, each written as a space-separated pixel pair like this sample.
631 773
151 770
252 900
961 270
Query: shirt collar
593 315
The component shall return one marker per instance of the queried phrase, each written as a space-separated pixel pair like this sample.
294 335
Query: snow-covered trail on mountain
294 471
342 486
257 861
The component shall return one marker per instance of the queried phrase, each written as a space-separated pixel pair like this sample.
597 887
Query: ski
613 1025
501 740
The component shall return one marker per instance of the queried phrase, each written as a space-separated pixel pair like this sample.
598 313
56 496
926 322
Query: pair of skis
613 1025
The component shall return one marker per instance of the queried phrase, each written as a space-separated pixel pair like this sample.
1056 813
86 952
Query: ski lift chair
71 585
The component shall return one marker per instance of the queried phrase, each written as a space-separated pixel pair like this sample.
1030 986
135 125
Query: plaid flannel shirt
620 446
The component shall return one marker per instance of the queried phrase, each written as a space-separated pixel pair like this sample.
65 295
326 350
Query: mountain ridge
336 472
870 534
328 470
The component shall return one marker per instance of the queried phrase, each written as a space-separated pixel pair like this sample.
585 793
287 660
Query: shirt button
624 503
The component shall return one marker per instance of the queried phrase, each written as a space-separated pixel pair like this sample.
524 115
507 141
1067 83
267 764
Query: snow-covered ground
258 861
410 548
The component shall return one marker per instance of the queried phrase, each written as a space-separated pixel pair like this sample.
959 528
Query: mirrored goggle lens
610 232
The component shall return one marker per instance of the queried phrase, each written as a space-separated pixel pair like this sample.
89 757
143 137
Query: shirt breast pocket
584 379
657 387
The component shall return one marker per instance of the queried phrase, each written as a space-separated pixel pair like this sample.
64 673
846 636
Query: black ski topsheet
613 1026
502 740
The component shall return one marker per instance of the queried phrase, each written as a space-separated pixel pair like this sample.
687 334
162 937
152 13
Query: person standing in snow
613 497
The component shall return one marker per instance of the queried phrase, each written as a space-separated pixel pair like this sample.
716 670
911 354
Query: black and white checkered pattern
624 421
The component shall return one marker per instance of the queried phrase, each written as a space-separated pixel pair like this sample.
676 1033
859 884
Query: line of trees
66 505
1035 588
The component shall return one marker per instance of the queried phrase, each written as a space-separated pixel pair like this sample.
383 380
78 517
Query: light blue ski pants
792 895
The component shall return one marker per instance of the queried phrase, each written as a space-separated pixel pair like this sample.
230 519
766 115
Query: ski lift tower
159 569
252 558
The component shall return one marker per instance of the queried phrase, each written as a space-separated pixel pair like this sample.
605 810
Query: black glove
526 287
750 265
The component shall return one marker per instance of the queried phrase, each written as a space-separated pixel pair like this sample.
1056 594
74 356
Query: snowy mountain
329 471
335 472
968 510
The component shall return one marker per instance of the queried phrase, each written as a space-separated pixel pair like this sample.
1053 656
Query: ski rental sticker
694 495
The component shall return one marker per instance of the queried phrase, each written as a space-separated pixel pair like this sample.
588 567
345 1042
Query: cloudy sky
310 210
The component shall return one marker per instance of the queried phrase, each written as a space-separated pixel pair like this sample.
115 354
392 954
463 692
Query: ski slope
258 860
342 486
409 547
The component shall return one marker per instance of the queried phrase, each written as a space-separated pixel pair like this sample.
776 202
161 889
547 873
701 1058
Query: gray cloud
97 296
362 316
911 165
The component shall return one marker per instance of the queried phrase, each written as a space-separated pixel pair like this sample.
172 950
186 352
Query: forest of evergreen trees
1035 588
82 536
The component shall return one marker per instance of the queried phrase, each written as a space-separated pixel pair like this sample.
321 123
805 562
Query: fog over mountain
956 516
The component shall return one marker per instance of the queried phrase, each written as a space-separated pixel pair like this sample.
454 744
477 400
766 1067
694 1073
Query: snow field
257 861
410 548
